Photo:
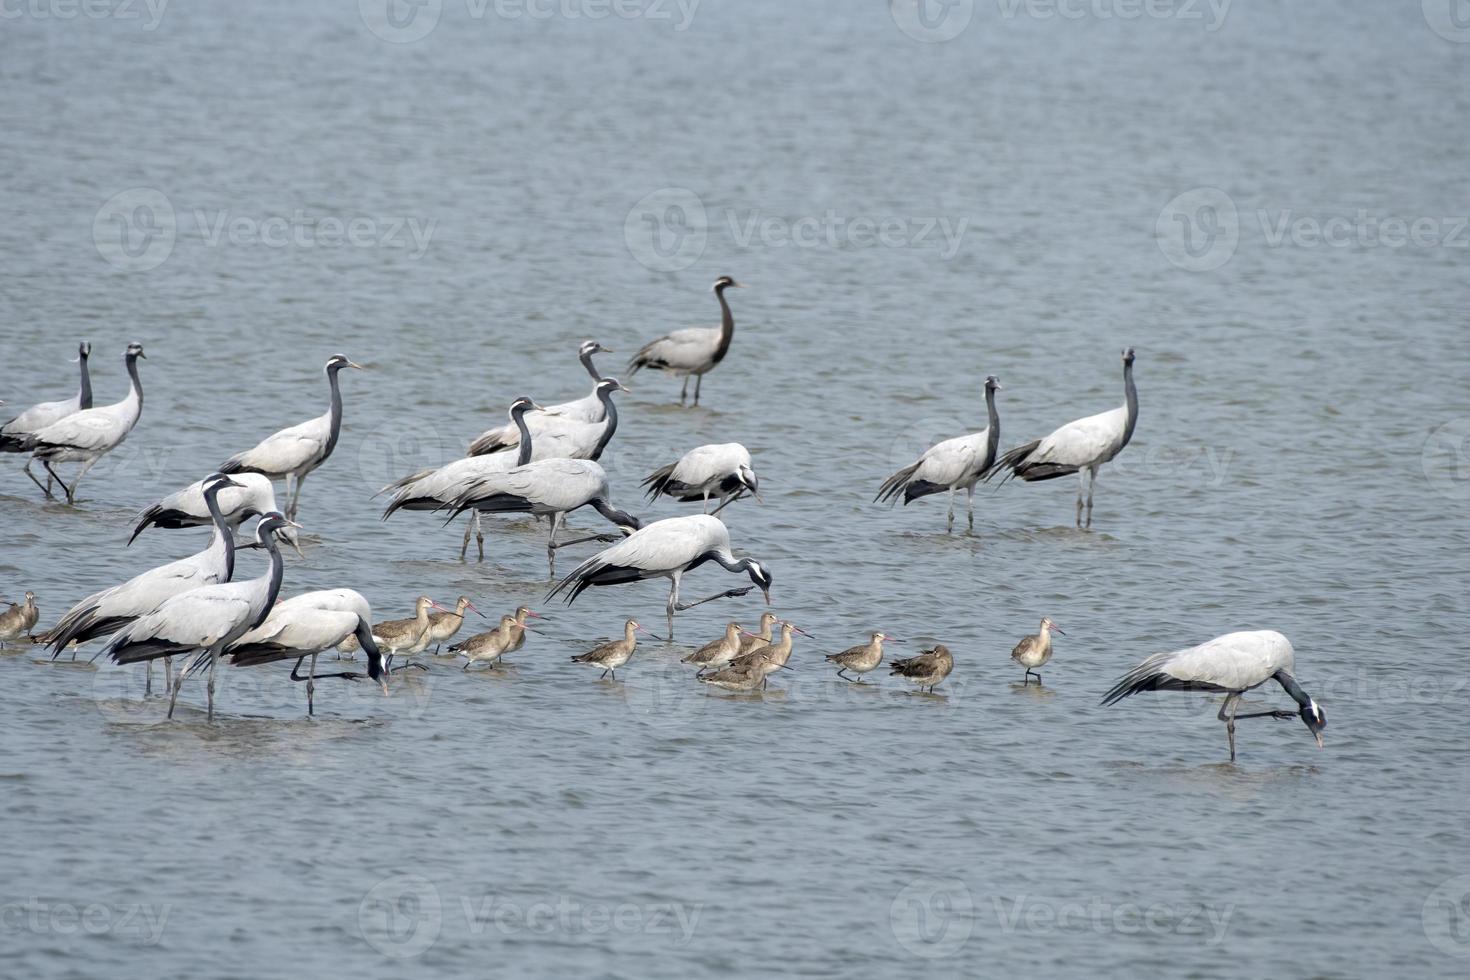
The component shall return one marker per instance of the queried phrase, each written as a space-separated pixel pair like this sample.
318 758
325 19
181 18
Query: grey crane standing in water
247 495
722 470
13 433
106 612
558 437
293 453
1079 447
551 488
694 351
86 436
666 549
204 621
590 408
1231 665
951 465
305 625
431 489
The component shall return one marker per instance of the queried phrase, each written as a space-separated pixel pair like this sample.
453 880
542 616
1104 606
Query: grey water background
1299 464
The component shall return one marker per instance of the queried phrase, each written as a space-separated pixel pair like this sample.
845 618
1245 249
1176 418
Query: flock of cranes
544 462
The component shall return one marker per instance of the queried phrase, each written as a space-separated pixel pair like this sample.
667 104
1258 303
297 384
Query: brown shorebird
713 656
751 641
490 646
927 669
519 640
17 621
443 625
863 658
1035 650
775 655
406 636
611 656
746 678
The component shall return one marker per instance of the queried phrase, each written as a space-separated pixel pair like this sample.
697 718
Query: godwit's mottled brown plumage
611 656
17 621
861 659
1035 650
927 669
443 625
713 656
763 636
490 646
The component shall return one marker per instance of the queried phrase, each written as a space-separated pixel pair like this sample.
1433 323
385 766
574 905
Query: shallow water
1298 465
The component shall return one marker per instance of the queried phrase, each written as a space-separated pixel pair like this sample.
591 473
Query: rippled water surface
1024 200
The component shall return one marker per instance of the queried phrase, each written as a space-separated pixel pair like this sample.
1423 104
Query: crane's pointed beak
357 366
767 594
1318 737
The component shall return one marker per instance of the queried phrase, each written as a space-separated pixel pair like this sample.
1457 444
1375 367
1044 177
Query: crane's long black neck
591 368
609 424
137 392
1293 688
1130 392
273 583
221 529
732 564
523 453
334 414
364 634
618 517
992 439
84 397
727 325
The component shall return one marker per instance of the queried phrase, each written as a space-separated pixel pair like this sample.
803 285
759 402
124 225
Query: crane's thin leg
310 686
147 678
479 536
1081 485
970 504
174 697
673 601
469 525
728 594
555 523
684 391
296 496
1227 715
71 495
45 488
728 501
213 663
950 526
698 380
1091 486
705 509
168 672
51 475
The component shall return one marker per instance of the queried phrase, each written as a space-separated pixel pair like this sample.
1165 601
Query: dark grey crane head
522 405
270 524
593 347
1314 718
215 482
84 351
749 480
607 386
725 282
1128 355
134 352
992 383
337 362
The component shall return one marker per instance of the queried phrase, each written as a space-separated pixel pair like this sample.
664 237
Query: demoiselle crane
1231 665
721 470
694 351
205 620
247 496
927 669
666 549
559 437
86 436
951 465
608 657
431 489
551 488
1078 447
1035 650
293 453
13 434
305 625
587 409
104 613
